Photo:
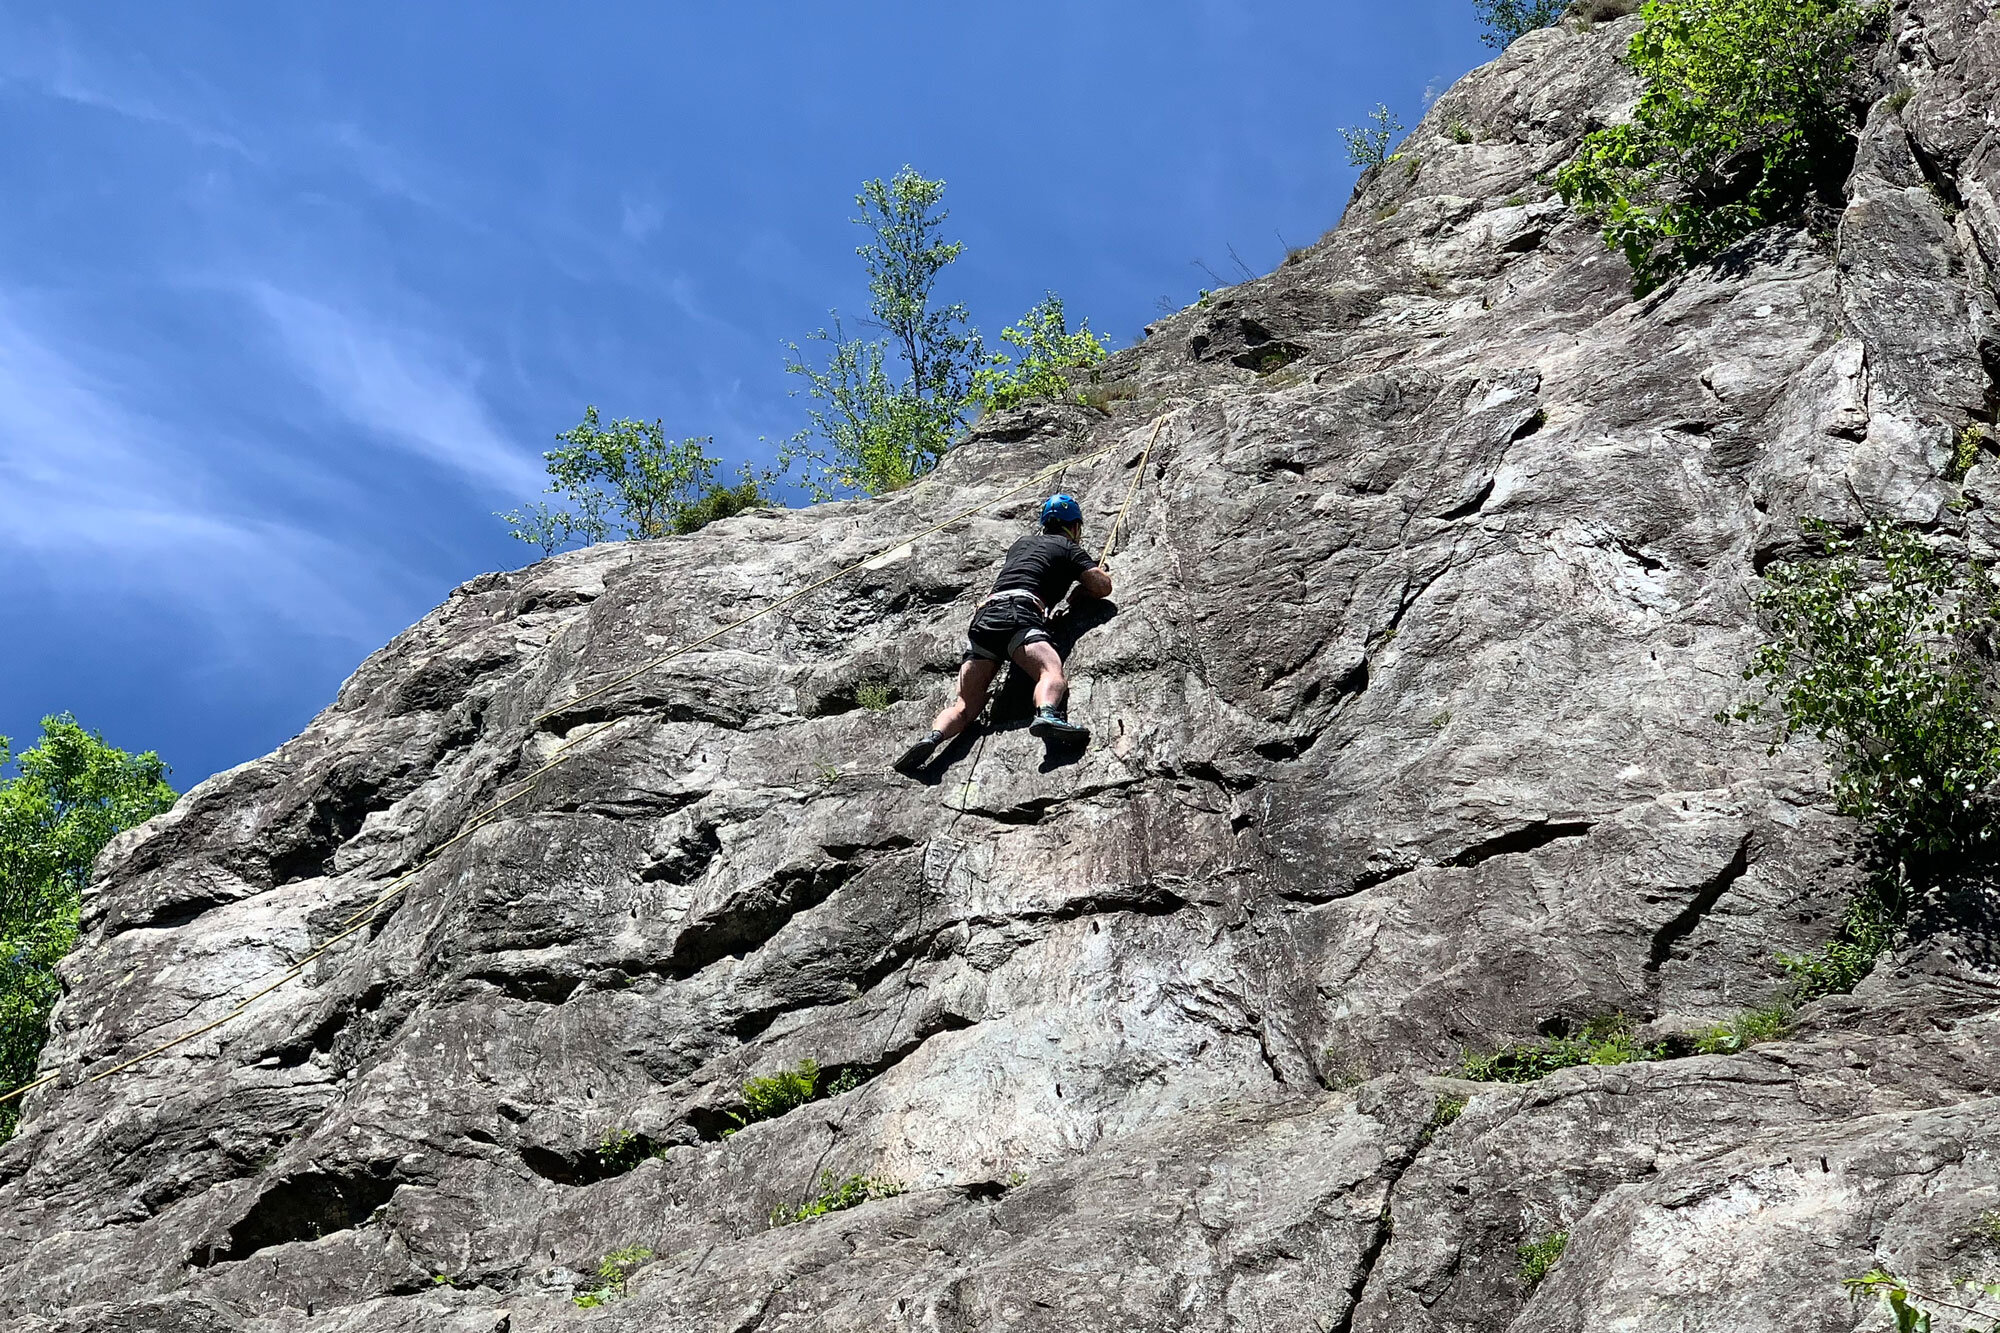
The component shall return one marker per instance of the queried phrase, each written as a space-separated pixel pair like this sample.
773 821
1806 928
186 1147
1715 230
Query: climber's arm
1094 582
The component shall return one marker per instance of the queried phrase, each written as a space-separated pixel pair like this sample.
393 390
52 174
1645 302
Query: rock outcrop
1438 571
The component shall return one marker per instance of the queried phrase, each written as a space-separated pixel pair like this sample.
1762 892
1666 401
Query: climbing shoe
1051 725
913 758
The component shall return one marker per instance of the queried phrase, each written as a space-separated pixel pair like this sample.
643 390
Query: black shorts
1001 627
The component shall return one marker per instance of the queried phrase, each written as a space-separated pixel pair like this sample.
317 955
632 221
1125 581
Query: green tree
888 408
1047 349
1744 124
1506 21
626 481
71 794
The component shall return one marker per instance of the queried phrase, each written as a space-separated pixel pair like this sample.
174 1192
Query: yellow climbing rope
1138 476
363 917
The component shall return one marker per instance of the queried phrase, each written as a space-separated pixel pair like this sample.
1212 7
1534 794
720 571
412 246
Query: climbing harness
1017 594
365 916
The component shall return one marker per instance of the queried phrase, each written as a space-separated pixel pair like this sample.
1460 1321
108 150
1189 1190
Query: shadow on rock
933 771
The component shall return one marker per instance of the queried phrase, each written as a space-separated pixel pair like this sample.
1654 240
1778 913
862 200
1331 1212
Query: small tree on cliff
625 480
71 795
886 410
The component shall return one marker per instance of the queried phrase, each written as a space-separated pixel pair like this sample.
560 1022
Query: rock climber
1012 624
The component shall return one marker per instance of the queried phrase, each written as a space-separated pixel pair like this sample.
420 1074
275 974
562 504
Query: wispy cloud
107 499
642 217
50 65
408 389
387 169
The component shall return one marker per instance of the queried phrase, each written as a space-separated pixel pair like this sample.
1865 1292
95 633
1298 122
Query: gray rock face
1438 570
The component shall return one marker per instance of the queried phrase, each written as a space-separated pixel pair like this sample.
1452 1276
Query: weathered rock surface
1439 569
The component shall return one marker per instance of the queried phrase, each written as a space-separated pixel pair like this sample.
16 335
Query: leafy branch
1745 123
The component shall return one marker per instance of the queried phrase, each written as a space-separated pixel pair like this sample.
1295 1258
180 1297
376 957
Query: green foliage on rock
716 502
1444 1111
1506 21
1874 652
769 1096
1368 145
1745 123
1604 1040
620 1150
1047 352
71 793
1961 1303
608 1281
835 1194
1538 1257
1965 451
625 480
1867 929
1764 1023
875 695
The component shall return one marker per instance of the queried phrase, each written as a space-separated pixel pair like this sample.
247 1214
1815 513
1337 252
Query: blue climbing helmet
1062 509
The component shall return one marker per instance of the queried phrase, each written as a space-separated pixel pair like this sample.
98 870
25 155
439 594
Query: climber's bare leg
975 678
1041 660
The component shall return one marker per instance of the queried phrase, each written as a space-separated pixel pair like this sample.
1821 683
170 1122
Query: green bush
607 1283
620 1150
1965 452
1506 21
1745 123
1874 652
1868 928
771 1095
1443 1112
71 795
1368 145
717 502
834 1195
626 481
1986 1228
1047 350
1538 1257
1605 1040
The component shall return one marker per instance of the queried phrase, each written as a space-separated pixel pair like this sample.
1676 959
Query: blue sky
292 297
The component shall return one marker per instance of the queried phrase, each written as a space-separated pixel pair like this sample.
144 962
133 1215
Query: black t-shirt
1046 564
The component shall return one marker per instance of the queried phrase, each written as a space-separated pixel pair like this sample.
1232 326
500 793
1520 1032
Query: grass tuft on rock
771 1095
836 1194
1764 1023
1604 1040
1538 1257
607 1282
